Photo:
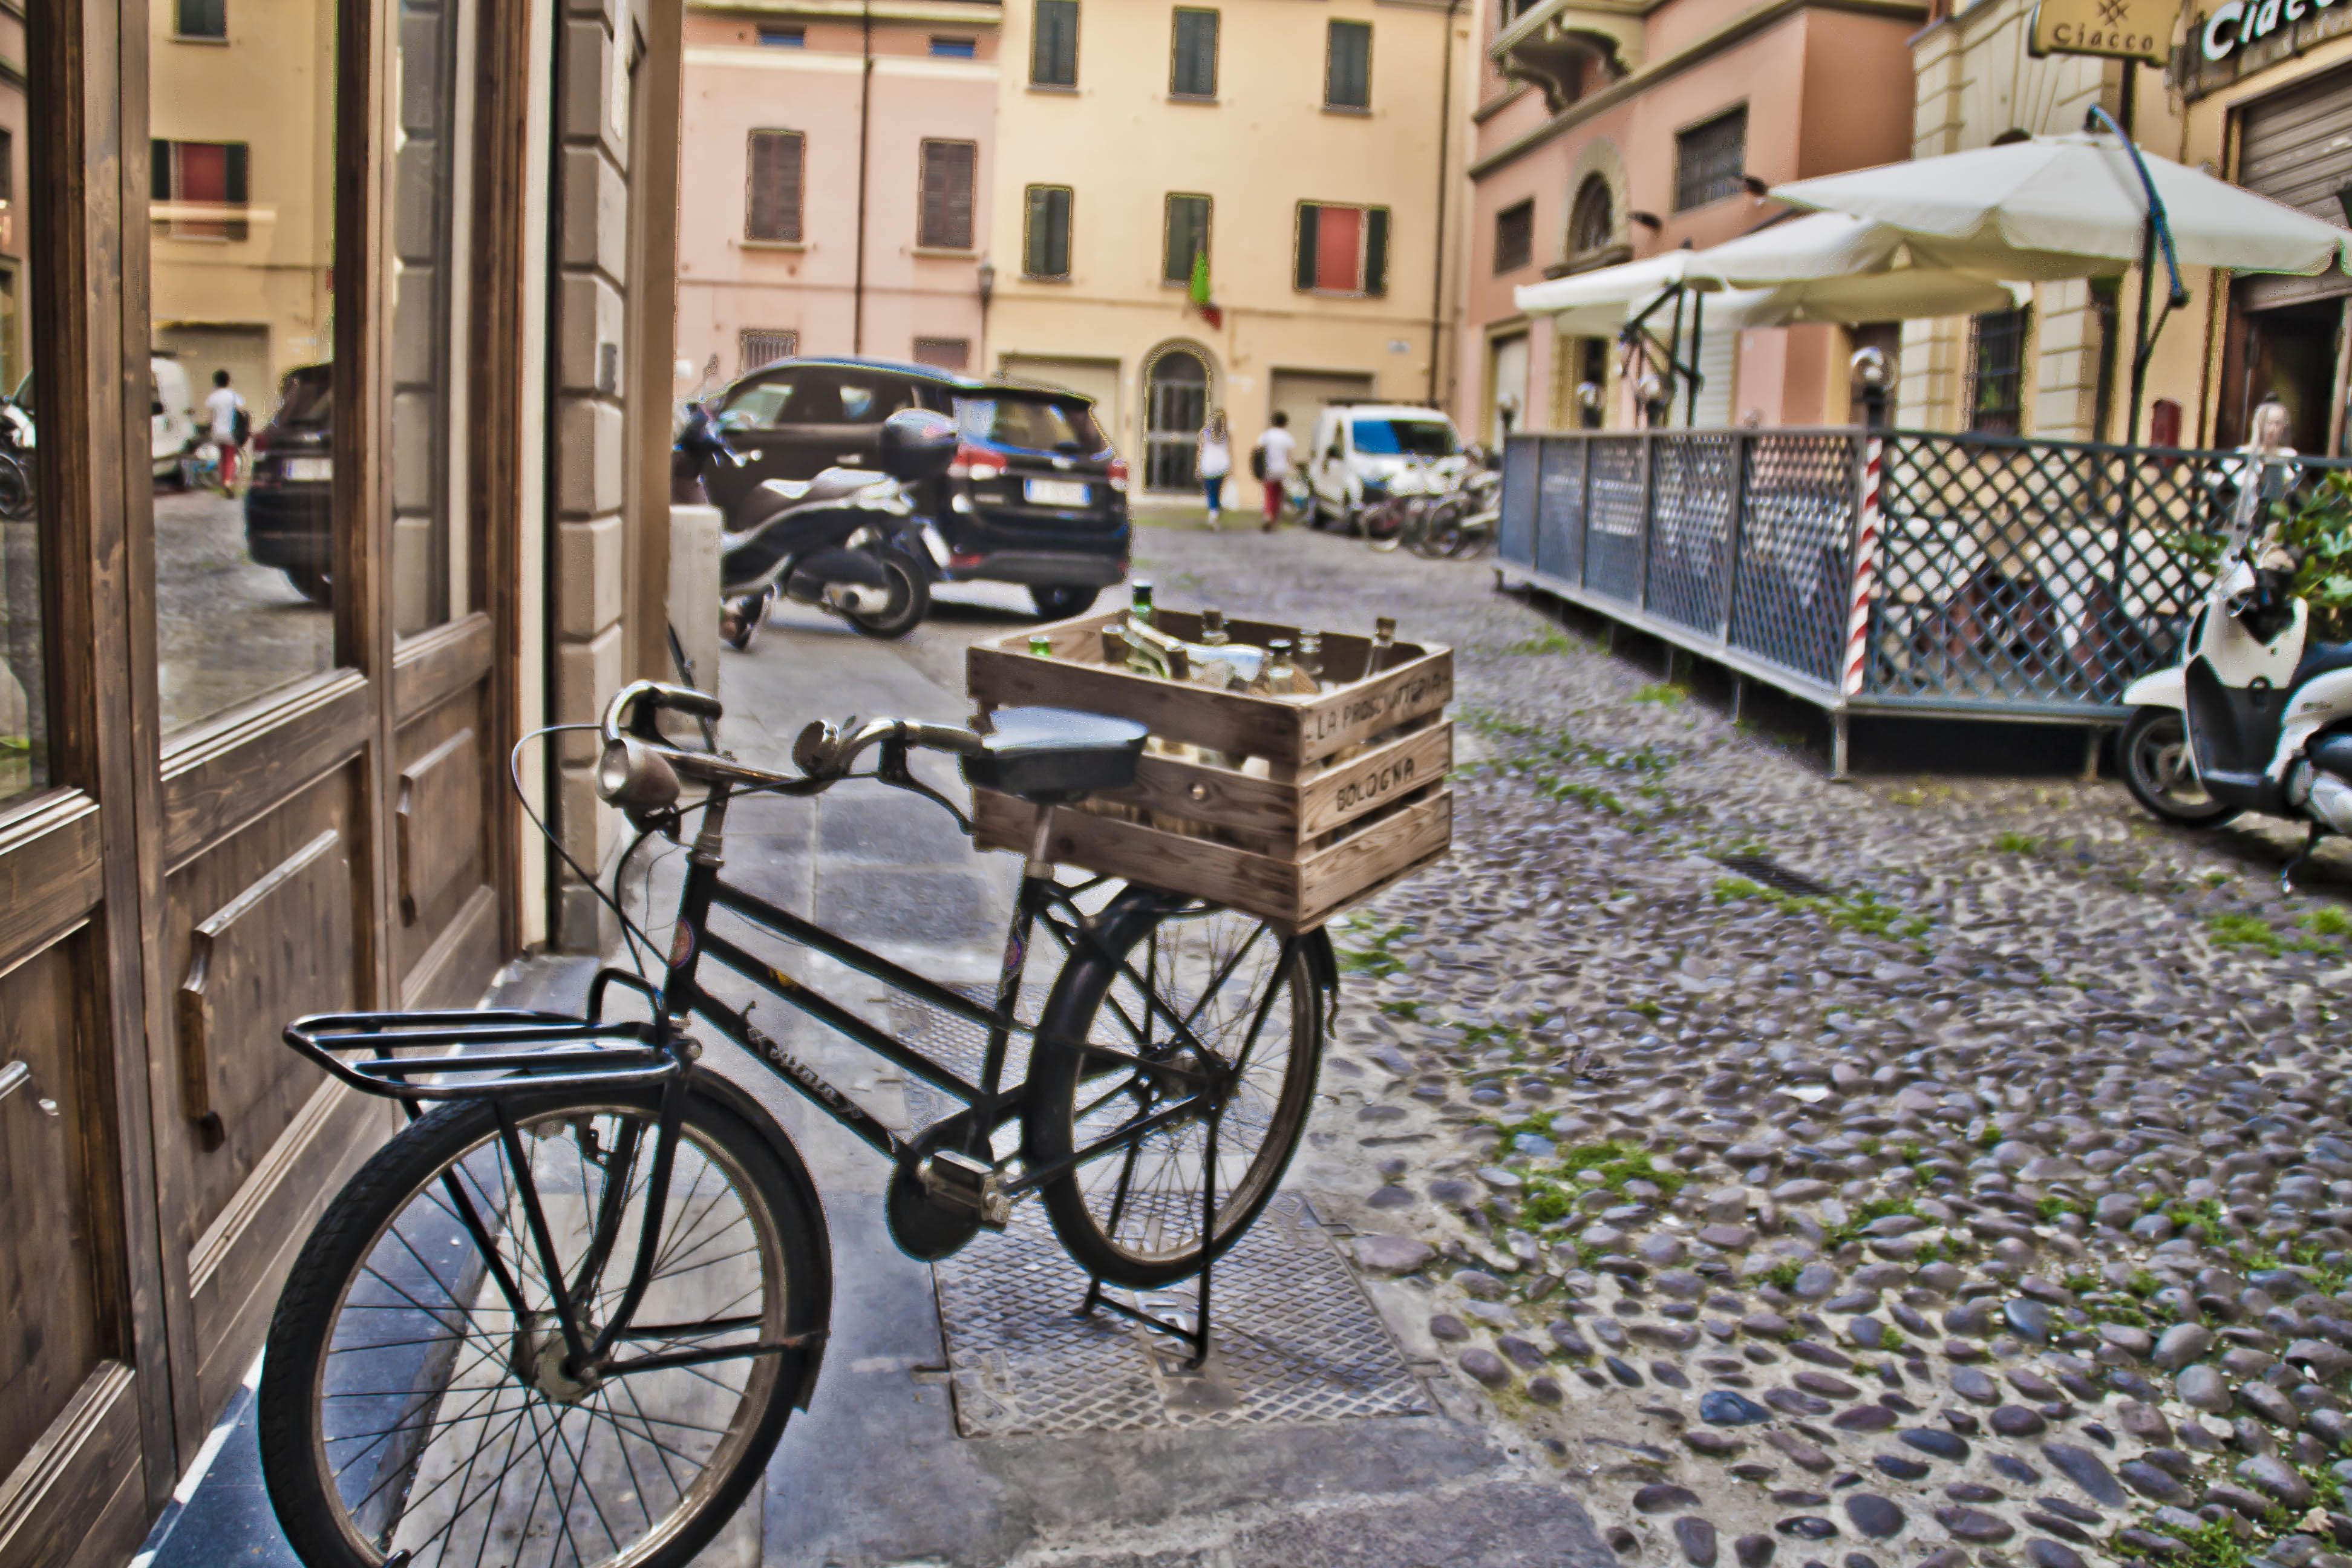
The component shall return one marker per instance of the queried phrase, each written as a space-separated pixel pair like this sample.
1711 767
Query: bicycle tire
317 1391
17 498
1143 1237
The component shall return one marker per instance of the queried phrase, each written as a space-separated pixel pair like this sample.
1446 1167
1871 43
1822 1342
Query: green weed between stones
1864 911
2252 930
1836 1236
2017 844
1663 693
1373 957
1550 642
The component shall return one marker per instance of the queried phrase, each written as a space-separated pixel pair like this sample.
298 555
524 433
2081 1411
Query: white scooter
2257 716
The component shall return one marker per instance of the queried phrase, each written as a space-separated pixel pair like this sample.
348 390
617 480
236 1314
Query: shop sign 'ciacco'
2123 29
2240 22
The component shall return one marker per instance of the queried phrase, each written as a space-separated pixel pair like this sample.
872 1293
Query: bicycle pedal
962 1182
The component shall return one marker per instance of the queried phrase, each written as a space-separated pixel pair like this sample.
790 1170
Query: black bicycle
564 1316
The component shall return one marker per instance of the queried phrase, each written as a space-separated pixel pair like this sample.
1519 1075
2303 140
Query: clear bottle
1273 679
1311 662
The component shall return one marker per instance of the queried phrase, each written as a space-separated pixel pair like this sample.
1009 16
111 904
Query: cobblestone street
1925 1170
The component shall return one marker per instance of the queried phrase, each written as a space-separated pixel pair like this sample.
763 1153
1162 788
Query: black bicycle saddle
1055 756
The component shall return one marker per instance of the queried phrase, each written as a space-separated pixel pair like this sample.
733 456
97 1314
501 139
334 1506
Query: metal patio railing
1893 572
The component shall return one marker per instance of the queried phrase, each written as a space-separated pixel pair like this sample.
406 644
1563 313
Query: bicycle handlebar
641 768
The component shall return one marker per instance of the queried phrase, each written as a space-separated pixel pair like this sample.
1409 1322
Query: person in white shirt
1271 462
1215 456
223 405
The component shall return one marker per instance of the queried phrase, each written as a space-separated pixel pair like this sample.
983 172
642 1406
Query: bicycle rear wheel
406 1404
1133 1214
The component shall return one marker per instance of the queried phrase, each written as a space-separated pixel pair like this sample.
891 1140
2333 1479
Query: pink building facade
1605 134
796 119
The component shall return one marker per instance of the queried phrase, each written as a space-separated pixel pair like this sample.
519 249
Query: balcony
1555 45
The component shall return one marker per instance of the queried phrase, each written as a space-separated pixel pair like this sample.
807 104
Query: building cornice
1499 102
1697 52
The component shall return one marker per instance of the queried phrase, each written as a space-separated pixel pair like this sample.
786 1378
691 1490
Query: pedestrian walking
231 425
1215 453
1270 463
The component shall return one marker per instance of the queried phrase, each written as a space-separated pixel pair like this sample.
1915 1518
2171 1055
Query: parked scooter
2257 716
848 541
1463 522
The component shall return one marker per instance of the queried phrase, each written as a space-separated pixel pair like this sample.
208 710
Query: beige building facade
835 182
1311 154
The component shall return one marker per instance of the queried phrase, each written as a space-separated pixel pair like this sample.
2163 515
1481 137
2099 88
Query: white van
1358 447
171 414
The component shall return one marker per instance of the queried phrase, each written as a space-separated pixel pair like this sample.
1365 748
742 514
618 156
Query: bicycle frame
551 1051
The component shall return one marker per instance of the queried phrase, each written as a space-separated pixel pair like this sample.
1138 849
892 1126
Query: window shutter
947 196
1054 48
159 170
1346 82
1338 250
773 210
1048 248
234 191
1310 226
1196 73
1376 250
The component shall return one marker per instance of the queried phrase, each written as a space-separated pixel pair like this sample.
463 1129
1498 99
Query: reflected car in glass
289 493
1036 496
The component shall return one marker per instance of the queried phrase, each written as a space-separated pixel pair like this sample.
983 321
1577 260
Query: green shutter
1193 72
1310 222
237 166
1346 82
1187 233
1047 252
1376 250
1054 49
159 164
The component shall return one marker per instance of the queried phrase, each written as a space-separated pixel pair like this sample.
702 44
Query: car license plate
309 470
1054 492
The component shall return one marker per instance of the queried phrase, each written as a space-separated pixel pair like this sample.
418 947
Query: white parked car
171 414
1360 447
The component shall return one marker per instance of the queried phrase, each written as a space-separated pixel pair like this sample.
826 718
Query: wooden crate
1293 846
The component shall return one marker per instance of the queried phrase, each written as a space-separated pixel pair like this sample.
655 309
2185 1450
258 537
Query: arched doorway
1176 404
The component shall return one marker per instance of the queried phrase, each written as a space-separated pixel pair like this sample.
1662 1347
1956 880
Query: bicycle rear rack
520 1050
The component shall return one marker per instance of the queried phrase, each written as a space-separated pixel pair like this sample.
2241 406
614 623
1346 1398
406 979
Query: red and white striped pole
1865 569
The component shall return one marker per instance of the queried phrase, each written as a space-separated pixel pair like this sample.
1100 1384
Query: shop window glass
242 341
430 577
24 677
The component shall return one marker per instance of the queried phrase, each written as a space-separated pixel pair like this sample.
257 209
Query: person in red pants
1270 461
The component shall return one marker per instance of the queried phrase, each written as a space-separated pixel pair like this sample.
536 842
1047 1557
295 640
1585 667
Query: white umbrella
2007 210
1606 289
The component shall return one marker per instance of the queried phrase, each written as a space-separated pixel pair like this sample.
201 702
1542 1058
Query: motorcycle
2258 714
848 541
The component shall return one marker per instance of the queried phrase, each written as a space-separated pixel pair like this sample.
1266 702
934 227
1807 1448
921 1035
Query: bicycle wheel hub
541 1360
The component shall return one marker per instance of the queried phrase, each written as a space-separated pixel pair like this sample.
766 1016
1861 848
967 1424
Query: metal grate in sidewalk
1294 1339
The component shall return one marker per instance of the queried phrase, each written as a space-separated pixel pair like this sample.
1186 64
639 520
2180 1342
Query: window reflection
241 186
24 728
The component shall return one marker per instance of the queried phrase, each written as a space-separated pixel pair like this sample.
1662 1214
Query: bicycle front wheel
1132 1213
418 1397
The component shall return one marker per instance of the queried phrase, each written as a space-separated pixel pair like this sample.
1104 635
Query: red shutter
204 172
1338 248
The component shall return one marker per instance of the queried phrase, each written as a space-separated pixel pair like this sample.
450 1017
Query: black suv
1036 496
290 483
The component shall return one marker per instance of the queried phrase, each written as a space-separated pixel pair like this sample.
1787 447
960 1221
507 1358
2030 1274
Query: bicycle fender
737 1099
1321 961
